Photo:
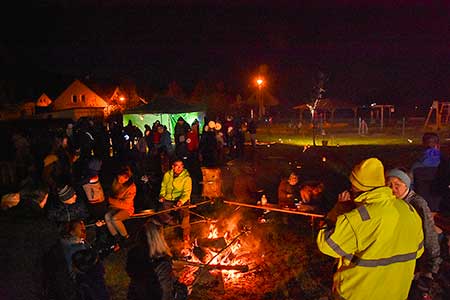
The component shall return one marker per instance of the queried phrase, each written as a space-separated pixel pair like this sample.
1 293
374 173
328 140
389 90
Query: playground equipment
377 113
441 110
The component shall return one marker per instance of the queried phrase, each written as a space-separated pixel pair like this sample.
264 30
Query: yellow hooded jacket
377 244
178 188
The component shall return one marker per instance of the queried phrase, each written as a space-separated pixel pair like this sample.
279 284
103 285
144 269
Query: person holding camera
376 238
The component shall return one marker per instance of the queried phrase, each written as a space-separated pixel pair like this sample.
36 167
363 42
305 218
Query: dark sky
390 53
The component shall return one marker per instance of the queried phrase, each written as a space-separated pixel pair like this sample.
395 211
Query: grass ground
287 262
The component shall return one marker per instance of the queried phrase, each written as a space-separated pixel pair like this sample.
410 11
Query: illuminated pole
260 84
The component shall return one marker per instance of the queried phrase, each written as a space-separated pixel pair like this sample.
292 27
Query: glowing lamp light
122 98
259 82
324 159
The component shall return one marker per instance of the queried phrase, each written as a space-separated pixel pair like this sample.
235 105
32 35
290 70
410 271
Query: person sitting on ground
289 191
176 188
90 275
68 207
121 205
149 266
400 182
376 237
59 260
73 239
311 193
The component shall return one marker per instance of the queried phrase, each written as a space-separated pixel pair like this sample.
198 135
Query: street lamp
260 83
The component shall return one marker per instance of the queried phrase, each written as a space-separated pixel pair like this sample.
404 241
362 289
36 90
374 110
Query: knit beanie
94 167
65 193
400 175
368 174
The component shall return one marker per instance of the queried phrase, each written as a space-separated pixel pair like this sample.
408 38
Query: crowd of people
98 175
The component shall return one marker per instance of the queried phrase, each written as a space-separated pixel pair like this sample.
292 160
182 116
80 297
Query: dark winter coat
25 237
208 148
287 194
149 278
91 285
180 133
60 212
431 259
59 282
425 181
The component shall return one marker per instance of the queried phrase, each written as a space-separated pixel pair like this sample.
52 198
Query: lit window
74 98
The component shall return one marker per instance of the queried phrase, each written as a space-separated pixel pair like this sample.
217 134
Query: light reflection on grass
341 139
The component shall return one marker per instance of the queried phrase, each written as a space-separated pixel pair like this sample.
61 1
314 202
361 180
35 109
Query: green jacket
178 188
377 244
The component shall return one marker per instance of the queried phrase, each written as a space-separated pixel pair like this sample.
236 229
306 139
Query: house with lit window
76 101
86 99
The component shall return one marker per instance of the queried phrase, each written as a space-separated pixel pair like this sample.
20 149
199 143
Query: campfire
222 258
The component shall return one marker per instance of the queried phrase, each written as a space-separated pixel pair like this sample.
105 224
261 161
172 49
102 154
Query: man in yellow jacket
176 188
376 237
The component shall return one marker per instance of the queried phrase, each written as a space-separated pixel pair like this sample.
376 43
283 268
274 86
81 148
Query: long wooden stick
151 214
154 213
264 207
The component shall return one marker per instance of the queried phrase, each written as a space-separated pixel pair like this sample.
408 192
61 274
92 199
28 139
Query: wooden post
382 117
403 126
359 126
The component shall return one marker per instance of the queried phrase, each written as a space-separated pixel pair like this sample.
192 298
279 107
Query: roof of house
165 104
103 88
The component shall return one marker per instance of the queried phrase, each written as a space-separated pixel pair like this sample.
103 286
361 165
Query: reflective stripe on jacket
377 244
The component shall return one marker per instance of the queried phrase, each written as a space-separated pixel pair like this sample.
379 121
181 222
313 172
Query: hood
378 195
431 157
26 209
183 174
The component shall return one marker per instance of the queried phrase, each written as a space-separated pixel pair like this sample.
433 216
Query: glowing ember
213 231
216 261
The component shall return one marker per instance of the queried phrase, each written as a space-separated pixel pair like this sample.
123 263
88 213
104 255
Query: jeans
114 218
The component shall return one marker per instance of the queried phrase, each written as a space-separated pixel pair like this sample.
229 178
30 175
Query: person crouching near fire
289 191
121 205
428 265
176 188
375 237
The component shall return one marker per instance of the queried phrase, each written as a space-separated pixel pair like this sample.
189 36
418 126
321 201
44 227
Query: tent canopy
165 109
165 104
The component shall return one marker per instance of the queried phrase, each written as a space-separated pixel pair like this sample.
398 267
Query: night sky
372 52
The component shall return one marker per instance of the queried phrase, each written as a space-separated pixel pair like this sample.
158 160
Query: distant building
43 101
91 99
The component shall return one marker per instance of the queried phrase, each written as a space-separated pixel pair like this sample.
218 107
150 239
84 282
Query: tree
316 95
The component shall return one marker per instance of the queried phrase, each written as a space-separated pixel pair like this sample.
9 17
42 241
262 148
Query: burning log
240 268
217 243
199 252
